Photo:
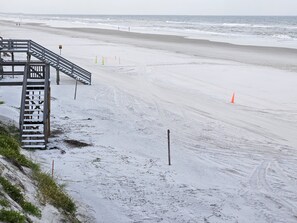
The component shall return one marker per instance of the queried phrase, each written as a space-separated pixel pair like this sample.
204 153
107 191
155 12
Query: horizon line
91 14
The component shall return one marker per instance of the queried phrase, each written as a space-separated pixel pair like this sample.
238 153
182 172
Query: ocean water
271 30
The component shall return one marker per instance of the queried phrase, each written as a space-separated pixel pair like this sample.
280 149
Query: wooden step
34 100
33 141
35 86
33 147
39 83
34 80
28 121
32 110
30 105
35 95
33 115
35 90
33 130
33 135
33 120
32 125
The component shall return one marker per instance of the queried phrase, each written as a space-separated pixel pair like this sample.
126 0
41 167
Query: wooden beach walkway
35 101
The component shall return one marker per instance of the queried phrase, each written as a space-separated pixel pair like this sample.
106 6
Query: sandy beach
230 162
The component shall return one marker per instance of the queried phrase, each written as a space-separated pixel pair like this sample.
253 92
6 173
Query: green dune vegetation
48 190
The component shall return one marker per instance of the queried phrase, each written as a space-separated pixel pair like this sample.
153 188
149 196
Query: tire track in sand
260 186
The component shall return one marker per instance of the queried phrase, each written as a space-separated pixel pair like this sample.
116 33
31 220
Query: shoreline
276 57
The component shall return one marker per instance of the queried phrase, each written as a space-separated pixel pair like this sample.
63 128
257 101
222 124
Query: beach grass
16 195
49 190
11 217
4 203
10 148
54 194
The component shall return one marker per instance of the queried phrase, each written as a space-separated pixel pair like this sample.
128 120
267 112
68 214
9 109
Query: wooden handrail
47 56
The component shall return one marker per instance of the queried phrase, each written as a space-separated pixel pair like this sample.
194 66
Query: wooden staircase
35 111
35 101
46 56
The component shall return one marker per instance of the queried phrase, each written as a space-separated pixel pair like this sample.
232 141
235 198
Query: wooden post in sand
75 90
58 77
58 73
1 60
1 67
12 59
53 167
169 157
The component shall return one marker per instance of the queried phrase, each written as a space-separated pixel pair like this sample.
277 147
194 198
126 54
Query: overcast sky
139 7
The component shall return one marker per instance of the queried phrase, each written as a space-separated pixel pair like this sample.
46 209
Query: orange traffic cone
232 99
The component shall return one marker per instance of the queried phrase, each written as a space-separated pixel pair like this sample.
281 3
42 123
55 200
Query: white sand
231 163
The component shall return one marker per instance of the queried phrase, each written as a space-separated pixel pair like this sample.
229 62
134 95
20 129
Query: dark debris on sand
75 143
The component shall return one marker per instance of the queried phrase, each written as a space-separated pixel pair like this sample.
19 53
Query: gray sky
179 7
